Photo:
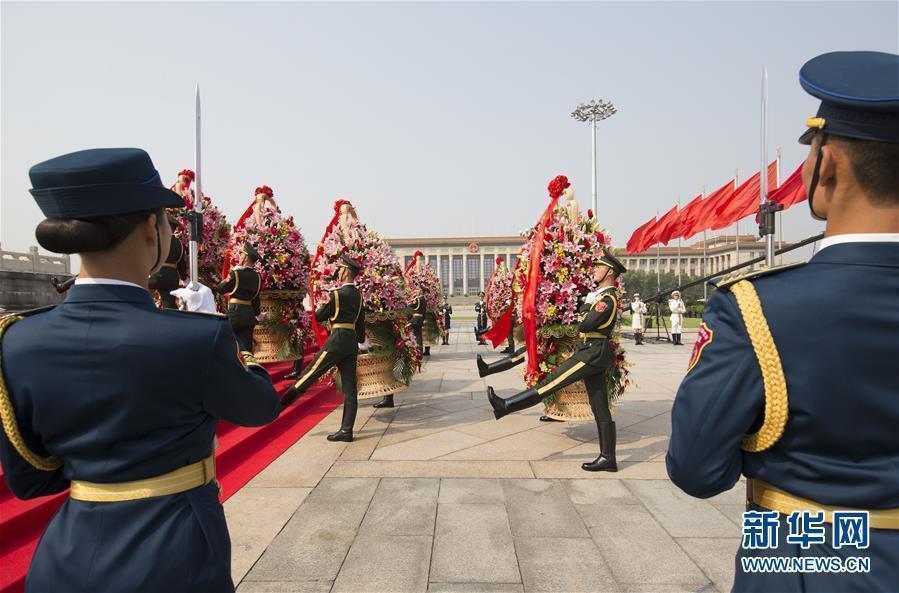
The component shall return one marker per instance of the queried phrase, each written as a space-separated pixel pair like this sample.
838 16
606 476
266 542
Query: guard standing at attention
87 401
794 385
346 316
480 309
638 310
590 363
419 308
172 272
678 309
242 286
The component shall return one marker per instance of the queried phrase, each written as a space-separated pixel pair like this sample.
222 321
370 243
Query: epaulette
725 282
201 313
31 312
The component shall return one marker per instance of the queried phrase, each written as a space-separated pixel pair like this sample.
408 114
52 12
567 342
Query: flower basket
375 374
274 340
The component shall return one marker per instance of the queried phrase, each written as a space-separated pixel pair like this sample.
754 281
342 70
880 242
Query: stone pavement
435 495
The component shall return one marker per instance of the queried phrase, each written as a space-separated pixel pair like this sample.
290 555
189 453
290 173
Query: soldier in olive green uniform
242 287
589 363
346 316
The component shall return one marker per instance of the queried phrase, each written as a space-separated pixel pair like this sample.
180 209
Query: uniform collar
864 251
85 292
858 238
109 281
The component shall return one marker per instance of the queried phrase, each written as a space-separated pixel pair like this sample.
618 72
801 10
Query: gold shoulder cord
8 415
776 401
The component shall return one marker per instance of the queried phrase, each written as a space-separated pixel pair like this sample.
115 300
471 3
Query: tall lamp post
594 111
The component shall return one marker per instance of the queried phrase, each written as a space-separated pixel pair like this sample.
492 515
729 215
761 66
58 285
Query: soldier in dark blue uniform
590 363
242 286
480 309
172 272
88 401
792 383
419 309
346 317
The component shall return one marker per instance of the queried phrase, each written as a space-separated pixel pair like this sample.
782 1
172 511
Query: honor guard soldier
172 272
346 316
638 310
419 308
446 310
590 363
87 403
242 287
794 385
480 309
678 309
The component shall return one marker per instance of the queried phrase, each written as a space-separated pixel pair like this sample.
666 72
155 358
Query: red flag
655 233
633 244
706 213
688 216
674 228
791 192
745 201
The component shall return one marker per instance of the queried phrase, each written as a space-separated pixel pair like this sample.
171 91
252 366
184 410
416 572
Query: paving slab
637 548
680 514
387 564
475 588
473 544
284 587
715 557
611 492
542 508
312 545
550 565
432 469
471 491
431 446
402 506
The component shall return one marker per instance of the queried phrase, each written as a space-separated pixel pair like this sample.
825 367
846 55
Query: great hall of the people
466 263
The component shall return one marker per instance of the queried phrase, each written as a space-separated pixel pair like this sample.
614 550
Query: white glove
591 298
364 346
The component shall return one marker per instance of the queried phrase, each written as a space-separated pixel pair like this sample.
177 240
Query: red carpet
242 453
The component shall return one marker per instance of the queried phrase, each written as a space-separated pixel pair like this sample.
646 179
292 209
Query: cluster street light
594 111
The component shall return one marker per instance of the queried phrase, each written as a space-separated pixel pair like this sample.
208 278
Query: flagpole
196 220
737 224
780 215
678 245
658 261
705 258
763 170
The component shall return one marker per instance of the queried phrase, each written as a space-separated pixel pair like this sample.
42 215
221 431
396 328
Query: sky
435 119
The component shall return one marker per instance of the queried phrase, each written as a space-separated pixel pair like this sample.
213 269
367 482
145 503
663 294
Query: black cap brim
95 201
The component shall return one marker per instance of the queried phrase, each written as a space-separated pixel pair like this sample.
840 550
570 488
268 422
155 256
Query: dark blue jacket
835 322
122 391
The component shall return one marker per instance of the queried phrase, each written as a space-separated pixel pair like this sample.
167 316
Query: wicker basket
571 404
374 375
267 340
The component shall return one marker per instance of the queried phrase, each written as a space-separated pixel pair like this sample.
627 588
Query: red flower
187 172
601 238
557 186
399 343
589 213
264 189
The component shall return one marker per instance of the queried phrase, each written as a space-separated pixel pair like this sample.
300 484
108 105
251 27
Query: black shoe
506 351
386 402
427 351
290 396
482 367
497 403
342 435
292 376
548 419
516 403
606 461
482 343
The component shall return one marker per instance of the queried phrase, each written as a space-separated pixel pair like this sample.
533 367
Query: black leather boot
503 364
519 401
345 436
427 351
295 373
606 461
386 402
548 419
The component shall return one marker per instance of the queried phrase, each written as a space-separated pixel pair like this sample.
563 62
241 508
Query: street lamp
594 111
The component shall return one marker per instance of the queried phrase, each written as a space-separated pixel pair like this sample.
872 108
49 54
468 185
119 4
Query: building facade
465 264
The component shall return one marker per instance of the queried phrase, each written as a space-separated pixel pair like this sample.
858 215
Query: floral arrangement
423 278
216 232
385 296
285 258
570 252
292 315
381 282
284 266
499 292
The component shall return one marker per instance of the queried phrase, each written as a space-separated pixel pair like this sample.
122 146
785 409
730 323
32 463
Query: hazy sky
435 119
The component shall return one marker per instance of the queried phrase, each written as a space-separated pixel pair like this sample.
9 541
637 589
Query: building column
481 256
464 274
